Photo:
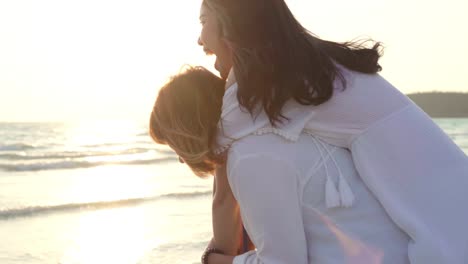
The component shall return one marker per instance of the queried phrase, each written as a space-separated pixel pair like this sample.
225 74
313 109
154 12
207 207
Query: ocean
103 192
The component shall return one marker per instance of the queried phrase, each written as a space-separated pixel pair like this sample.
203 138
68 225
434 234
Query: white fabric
410 165
283 205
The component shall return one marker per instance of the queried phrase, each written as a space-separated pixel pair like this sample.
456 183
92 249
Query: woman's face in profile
212 42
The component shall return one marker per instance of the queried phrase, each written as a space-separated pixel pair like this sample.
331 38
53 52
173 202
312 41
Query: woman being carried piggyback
291 83
289 192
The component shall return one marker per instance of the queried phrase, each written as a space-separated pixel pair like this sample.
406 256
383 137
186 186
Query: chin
222 71
224 74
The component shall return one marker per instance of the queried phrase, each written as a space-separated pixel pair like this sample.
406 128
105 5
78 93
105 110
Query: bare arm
266 188
227 224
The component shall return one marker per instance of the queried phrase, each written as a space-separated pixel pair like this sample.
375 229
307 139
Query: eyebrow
202 16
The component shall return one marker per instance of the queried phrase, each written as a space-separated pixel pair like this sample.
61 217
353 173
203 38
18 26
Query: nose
200 41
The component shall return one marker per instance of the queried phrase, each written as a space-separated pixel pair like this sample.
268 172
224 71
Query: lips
207 51
218 66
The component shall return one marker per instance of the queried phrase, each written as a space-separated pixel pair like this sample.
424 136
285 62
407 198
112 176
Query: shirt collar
236 122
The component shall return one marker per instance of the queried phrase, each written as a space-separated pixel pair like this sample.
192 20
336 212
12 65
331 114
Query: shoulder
253 144
247 147
258 168
301 155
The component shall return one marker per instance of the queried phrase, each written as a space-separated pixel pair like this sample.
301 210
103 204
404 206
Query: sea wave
461 134
36 210
75 154
71 164
16 147
103 145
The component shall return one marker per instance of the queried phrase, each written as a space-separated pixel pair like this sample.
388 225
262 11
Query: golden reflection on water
103 131
111 183
119 232
116 235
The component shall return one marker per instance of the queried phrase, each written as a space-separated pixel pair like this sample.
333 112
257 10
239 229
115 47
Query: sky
63 60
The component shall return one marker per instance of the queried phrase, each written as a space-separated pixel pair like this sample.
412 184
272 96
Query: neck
231 79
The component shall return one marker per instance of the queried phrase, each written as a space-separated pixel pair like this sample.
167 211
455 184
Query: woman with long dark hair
299 224
291 83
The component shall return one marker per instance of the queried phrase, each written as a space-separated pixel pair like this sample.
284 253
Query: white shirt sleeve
266 189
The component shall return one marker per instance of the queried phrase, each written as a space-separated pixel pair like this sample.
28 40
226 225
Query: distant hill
438 104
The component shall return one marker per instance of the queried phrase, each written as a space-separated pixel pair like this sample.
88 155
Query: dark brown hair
275 58
185 117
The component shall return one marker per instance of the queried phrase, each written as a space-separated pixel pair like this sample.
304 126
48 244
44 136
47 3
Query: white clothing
280 188
409 164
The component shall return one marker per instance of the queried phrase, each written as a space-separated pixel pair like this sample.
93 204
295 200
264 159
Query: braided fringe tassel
346 195
332 197
343 196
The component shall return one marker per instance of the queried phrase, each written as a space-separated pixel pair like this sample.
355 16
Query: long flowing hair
275 58
185 117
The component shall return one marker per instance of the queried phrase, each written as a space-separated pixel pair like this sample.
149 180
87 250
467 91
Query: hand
220 259
212 243
217 258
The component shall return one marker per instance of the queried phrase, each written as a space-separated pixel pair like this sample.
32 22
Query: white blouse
280 187
302 201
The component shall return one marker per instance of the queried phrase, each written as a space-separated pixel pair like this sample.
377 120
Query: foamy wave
458 133
16 147
75 155
35 210
39 166
104 145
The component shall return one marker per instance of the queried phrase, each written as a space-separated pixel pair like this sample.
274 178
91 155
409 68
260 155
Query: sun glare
102 132
66 60
92 59
356 252
111 236
111 183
